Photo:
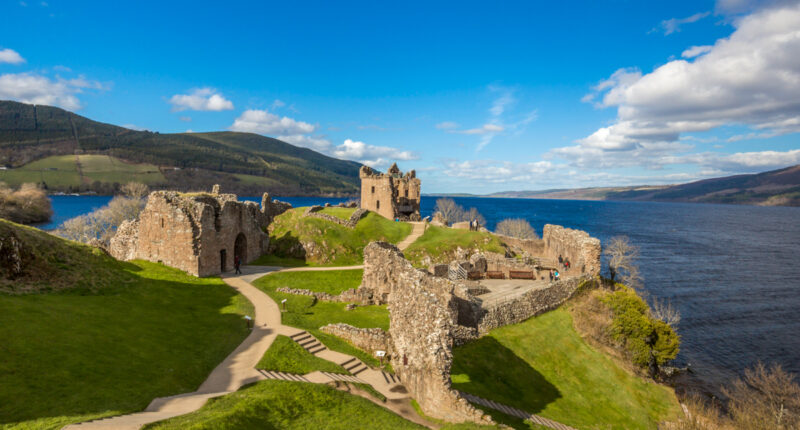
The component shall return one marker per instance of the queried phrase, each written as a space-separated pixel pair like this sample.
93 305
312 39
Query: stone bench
521 274
495 275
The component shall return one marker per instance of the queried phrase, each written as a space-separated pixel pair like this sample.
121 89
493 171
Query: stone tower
391 194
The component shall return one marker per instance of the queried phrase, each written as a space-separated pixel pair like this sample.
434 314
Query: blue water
732 271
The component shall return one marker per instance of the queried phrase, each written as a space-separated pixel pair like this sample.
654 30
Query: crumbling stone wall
314 211
423 327
367 339
392 195
582 250
198 233
532 303
521 246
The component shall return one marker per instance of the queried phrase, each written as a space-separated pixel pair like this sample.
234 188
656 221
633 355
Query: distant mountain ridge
773 188
241 162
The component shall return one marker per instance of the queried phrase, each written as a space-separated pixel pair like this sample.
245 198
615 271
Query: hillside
774 188
38 144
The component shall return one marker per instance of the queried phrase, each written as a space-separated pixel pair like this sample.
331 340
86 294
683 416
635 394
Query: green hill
241 162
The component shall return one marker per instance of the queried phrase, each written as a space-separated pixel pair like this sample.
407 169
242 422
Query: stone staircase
308 342
354 366
271 374
345 378
390 378
514 412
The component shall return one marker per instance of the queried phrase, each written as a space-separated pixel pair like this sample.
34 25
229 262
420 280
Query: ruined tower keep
199 233
391 194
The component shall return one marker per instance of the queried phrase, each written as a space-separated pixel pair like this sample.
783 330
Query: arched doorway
240 248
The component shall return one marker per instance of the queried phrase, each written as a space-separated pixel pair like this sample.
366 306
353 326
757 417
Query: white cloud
264 122
447 125
696 51
673 25
277 104
527 174
10 56
39 89
200 99
318 143
484 129
371 155
185 119
750 78
133 127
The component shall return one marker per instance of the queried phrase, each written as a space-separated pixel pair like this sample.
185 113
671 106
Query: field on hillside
63 171
542 366
109 345
333 244
439 244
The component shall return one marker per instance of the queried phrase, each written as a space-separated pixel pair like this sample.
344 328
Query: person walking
237 263
551 276
557 275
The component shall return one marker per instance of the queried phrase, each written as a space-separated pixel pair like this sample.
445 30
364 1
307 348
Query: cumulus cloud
39 89
696 51
317 143
371 155
200 99
264 122
484 129
673 25
447 125
497 172
10 56
751 77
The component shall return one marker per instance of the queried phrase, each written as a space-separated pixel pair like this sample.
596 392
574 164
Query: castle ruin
199 233
391 194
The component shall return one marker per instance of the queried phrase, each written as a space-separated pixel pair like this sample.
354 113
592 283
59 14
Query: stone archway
240 248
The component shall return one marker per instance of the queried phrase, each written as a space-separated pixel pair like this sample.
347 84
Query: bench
495 275
474 275
521 274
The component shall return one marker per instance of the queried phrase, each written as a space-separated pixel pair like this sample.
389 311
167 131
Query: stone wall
531 246
367 339
582 250
314 212
423 327
530 304
198 233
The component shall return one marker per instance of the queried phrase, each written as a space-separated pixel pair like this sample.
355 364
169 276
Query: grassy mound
549 370
439 244
298 240
341 213
288 405
286 355
309 314
327 281
129 333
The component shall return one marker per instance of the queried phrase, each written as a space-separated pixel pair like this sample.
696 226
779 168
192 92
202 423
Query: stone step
308 342
390 378
319 348
346 363
298 334
302 338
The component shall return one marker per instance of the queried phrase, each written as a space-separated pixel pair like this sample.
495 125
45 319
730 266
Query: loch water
732 271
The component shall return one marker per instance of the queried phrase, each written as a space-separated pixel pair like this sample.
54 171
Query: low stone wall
582 250
531 246
507 265
530 304
367 339
314 212
353 295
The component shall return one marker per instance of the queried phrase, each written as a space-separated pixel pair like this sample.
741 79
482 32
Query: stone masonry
582 250
199 233
392 195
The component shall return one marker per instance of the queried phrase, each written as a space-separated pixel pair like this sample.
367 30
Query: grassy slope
61 171
129 332
440 244
327 281
286 355
337 245
304 313
549 370
342 213
288 405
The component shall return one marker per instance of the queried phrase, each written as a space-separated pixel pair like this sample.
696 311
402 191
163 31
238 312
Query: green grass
440 244
341 213
288 405
335 245
286 355
327 281
306 313
152 331
274 260
61 171
542 366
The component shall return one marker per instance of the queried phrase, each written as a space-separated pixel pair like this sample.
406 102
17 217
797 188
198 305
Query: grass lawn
286 355
543 366
61 171
341 213
274 260
440 244
336 245
328 281
305 313
79 354
288 405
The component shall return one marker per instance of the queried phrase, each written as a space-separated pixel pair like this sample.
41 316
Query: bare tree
766 398
622 257
450 211
28 204
664 311
516 227
135 190
102 224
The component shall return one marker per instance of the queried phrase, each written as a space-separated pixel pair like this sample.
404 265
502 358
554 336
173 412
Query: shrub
516 227
29 204
102 224
452 212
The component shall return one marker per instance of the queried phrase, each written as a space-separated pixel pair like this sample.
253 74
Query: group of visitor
563 262
474 225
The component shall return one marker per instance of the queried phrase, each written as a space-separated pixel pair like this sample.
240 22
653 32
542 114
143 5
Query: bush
29 204
516 227
650 342
102 224
451 212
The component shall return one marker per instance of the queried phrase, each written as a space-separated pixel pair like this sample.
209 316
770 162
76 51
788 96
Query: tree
664 311
29 204
473 215
135 190
516 227
102 224
766 398
449 210
622 257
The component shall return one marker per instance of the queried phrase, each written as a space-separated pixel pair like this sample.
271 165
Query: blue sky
476 96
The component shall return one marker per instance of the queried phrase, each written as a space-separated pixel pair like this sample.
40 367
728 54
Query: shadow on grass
486 368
